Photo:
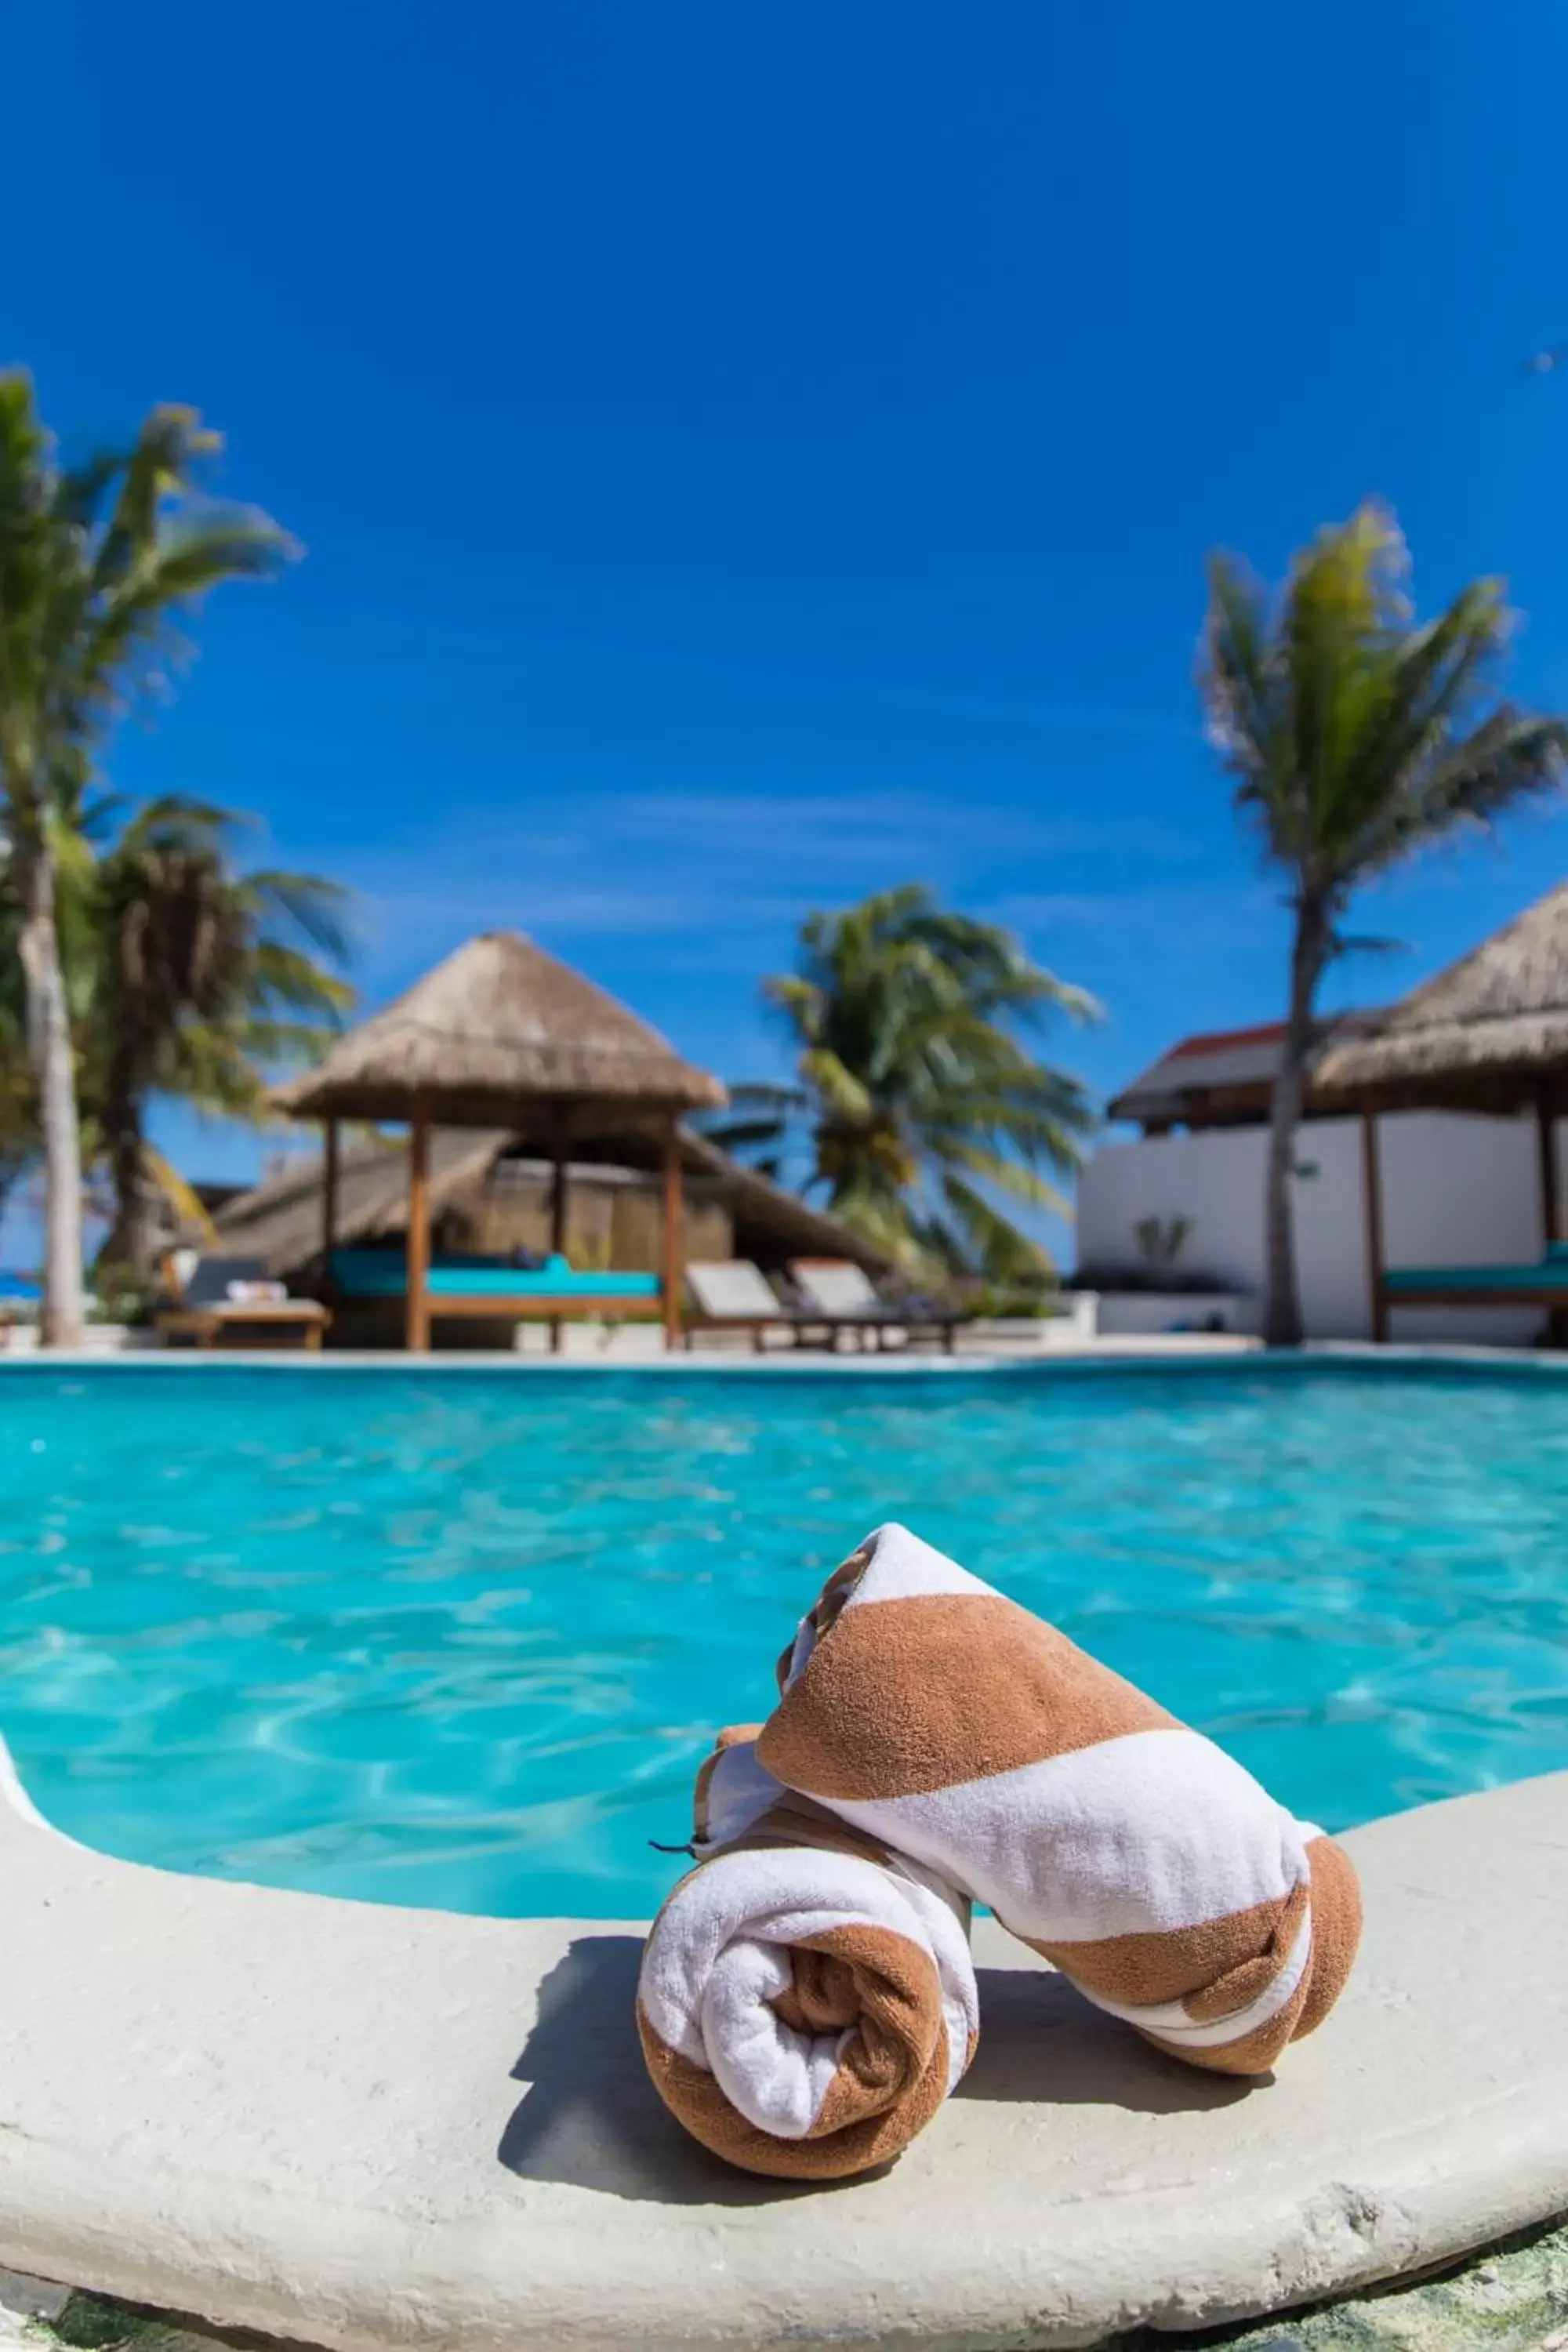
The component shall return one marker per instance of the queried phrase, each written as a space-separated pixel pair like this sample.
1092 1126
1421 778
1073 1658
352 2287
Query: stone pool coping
1153 1348
368 2127
1183 1352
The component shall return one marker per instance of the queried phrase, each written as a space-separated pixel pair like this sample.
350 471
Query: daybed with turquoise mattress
495 1286
1543 1284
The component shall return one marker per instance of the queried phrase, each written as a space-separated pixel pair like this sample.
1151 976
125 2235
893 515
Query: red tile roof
1208 1041
1201 1072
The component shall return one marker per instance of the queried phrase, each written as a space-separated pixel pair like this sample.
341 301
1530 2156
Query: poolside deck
364 2127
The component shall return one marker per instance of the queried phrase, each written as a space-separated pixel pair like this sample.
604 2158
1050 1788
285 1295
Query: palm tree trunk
121 1118
48 1038
1283 1296
123 1244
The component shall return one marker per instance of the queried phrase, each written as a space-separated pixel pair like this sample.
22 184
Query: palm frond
176 820
315 908
995 1245
767 1094
1508 758
846 1095
186 1202
1017 1179
1240 679
278 974
159 465
744 1136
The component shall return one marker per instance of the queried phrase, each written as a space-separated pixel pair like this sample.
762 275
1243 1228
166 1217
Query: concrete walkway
364 2127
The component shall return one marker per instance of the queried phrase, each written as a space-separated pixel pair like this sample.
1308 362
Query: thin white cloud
818 828
724 878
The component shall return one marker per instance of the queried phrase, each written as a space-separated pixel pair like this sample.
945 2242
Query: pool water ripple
462 1639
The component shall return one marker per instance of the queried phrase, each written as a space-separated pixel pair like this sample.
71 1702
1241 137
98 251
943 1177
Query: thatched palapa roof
499 1025
1489 1031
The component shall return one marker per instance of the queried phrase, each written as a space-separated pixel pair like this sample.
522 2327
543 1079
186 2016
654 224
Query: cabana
489 1194
1489 1035
503 1038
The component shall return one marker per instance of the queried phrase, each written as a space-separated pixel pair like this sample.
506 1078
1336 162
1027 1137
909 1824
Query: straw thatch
280 1221
1490 1032
759 1205
497 1027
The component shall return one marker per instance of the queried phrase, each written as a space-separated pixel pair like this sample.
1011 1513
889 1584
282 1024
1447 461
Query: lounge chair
733 1295
459 1286
838 1296
209 1295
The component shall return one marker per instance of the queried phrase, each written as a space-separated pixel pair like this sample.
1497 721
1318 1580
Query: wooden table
205 1326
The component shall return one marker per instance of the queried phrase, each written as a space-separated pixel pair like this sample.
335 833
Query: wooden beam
1371 1216
417 1304
1551 1197
1546 1142
329 1193
673 1203
560 1202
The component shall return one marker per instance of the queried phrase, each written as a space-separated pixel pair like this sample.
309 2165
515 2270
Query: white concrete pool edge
1183 1352
366 2128
795 1363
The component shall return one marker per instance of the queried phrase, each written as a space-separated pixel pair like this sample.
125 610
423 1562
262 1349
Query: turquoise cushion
381 1274
554 1280
1546 1274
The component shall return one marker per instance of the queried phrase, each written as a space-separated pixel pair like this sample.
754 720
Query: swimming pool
461 1638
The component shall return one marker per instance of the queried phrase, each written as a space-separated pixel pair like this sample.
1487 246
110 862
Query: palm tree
917 1098
183 977
96 563
1357 737
204 979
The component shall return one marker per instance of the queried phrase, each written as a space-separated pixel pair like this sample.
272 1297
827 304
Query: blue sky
747 457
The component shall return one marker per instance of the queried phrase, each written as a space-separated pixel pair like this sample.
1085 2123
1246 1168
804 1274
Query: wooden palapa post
1372 1214
559 1197
1550 1199
416 1306
1546 1140
672 1216
329 1193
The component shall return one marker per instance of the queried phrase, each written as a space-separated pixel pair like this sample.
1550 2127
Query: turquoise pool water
461 1638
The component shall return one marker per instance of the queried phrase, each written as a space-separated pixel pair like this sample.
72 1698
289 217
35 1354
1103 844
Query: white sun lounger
732 1294
840 1296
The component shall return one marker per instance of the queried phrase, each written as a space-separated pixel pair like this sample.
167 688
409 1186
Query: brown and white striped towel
806 1999
929 1712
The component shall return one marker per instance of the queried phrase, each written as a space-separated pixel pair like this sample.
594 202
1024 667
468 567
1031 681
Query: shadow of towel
1042 2041
590 2116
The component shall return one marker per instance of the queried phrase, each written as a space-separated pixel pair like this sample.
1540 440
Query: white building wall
1456 1191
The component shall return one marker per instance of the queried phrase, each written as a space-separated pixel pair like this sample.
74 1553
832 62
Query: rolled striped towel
929 1712
806 1999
